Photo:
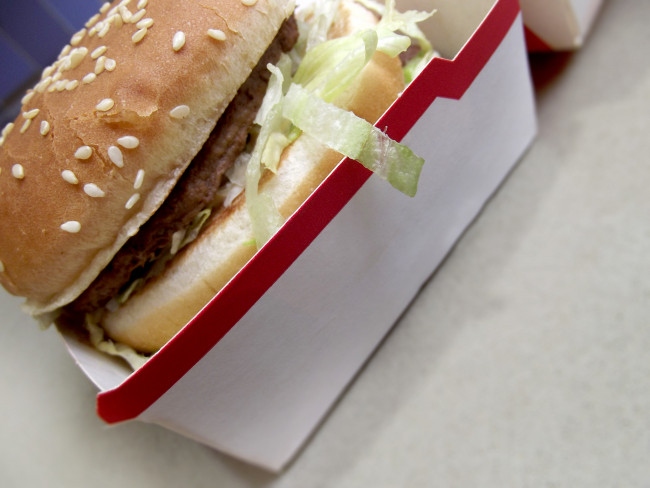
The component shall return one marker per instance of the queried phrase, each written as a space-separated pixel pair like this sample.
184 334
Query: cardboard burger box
255 371
558 25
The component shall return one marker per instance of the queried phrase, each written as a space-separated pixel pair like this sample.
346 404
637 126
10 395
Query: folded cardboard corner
255 372
558 25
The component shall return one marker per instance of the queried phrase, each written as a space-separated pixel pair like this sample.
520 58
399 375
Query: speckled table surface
523 362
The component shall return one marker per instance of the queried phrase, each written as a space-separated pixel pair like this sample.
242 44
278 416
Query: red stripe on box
441 78
534 43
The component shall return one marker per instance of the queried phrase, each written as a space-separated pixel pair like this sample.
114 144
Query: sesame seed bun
55 235
154 314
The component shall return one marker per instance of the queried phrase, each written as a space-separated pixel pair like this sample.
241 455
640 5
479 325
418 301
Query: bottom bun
152 316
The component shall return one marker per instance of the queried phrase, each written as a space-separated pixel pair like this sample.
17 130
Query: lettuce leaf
355 138
265 217
330 68
96 334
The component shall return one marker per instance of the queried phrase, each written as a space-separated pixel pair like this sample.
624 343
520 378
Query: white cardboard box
558 25
259 367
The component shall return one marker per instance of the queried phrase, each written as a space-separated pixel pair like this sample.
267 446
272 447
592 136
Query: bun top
107 132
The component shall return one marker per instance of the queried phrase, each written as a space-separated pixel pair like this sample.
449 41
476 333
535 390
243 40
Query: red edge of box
534 43
441 78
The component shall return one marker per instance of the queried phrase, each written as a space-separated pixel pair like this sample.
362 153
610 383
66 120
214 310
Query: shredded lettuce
273 93
373 6
391 43
96 333
330 68
265 217
192 231
324 13
183 237
285 65
355 138
314 21
132 287
406 22
236 175
273 150
392 20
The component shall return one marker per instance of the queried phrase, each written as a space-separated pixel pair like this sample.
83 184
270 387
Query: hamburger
131 187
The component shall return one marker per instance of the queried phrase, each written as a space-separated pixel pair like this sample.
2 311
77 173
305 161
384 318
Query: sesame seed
249 3
65 51
25 100
45 127
105 105
99 65
2 141
76 39
129 142
89 78
143 3
94 191
57 77
52 87
217 34
113 11
7 130
25 126
139 179
117 19
136 17
98 52
60 85
18 171
99 25
126 14
47 72
31 114
179 41
139 35
92 32
71 226
70 177
180 112
2 267
110 64
109 19
84 152
124 3
148 22
115 156
105 7
92 21
77 57
132 201
44 84
104 30
71 85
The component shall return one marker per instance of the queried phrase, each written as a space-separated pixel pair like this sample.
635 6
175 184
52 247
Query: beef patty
198 186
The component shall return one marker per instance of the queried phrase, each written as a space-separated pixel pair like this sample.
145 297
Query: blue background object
32 34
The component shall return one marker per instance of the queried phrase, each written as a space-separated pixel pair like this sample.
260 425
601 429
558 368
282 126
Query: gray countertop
523 362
